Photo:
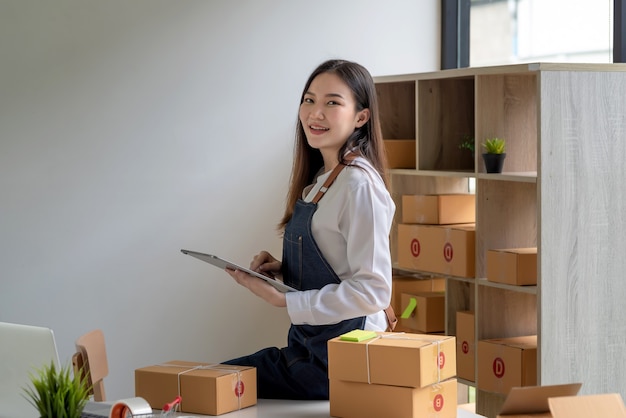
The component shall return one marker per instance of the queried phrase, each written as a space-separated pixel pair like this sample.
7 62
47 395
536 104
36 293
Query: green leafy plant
467 143
56 393
494 145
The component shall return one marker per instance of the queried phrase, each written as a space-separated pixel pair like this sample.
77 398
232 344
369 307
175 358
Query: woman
335 233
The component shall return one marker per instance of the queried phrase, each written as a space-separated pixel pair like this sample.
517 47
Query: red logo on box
438 402
239 389
415 248
465 347
442 360
448 252
498 367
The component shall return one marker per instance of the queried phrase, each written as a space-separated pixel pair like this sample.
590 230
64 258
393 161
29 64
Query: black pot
494 162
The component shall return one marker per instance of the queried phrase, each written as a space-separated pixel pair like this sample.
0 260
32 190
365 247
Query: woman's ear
362 117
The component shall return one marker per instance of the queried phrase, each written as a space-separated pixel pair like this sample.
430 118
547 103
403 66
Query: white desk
271 408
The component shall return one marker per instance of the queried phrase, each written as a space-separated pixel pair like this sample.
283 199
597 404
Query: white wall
131 129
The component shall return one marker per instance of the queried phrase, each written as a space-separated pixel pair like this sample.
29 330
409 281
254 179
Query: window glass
513 31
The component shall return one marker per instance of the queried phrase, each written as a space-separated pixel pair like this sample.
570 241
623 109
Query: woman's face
328 114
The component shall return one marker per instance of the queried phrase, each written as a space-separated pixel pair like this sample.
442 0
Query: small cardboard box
205 388
400 153
409 284
424 311
516 266
439 209
448 250
465 346
504 363
396 359
532 401
360 400
604 405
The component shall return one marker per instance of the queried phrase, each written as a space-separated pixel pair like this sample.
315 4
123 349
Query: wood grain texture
583 231
445 117
506 217
506 108
459 297
396 102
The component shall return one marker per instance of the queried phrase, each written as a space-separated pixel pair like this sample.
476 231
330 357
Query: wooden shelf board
522 289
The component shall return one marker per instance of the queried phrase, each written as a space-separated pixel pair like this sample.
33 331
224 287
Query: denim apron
300 370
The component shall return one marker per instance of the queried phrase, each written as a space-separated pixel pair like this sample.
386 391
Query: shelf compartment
506 107
401 184
445 117
396 103
505 313
506 217
459 297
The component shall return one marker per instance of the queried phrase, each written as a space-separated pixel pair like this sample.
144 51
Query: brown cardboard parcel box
465 346
516 266
409 284
205 388
361 400
560 401
396 359
424 311
532 401
439 209
504 363
588 406
400 153
439 249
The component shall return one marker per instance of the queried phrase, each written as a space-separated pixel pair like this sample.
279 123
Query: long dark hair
366 141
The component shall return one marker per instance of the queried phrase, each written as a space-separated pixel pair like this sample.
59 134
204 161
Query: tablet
224 264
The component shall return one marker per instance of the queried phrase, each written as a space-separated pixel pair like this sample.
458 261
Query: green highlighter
358 335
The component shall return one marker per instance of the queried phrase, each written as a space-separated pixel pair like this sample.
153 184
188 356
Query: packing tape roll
132 406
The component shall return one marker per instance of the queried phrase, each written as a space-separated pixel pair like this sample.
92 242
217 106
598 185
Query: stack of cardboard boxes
392 375
504 363
405 286
436 236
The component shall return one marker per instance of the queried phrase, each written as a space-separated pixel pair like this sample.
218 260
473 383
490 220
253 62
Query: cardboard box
205 388
439 209
448 250
360 400
465 346
516 266
400 153
532 401
396 359
410 284
604 405
504 363
424 311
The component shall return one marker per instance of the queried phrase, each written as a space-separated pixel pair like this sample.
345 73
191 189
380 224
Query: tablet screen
224 264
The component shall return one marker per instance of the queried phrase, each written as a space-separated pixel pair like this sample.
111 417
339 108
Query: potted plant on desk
494 155
55 393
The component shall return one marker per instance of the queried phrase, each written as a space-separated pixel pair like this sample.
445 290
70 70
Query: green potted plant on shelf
56 393
494 154
467 144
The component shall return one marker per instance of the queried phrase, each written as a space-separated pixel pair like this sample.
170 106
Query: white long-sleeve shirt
351 227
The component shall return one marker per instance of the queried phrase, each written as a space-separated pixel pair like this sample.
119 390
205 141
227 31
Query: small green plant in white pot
494 154
57 393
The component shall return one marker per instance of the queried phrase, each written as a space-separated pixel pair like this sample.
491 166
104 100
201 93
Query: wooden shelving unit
562 191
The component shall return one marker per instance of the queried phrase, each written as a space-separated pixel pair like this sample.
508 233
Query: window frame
455 29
